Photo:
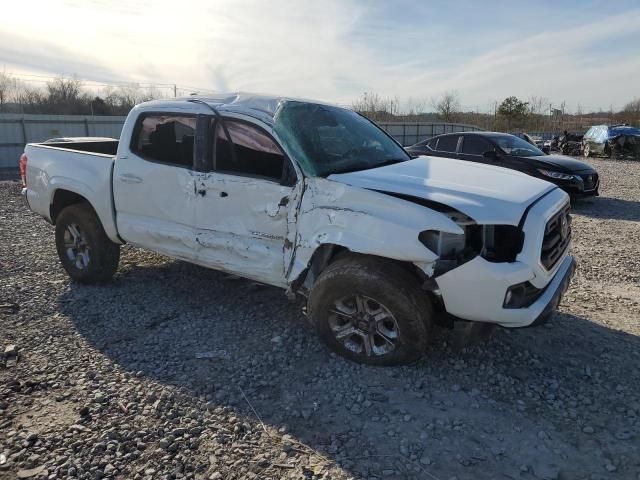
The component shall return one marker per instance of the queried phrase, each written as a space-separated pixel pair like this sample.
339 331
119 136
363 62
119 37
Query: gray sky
583 52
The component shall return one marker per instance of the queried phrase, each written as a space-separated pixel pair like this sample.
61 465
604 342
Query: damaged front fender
364 221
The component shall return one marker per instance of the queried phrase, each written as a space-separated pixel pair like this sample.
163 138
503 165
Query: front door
154 186
245 215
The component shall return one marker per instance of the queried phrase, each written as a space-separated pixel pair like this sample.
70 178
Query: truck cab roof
260 106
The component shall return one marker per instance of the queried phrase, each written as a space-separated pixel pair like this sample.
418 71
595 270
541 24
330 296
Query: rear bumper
25 197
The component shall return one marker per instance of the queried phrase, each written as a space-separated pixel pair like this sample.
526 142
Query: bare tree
375 107
447 105
631 112
633 106
538 105
413 108
8 87
62 89
30 100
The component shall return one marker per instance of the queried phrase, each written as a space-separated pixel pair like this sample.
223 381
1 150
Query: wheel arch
327 253
61 199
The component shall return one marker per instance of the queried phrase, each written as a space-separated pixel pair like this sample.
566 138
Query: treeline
68 96
535 114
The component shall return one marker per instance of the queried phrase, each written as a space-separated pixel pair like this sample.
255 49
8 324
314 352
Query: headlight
556 175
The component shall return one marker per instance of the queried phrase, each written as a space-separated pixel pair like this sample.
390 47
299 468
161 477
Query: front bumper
582 184
476 291
560 289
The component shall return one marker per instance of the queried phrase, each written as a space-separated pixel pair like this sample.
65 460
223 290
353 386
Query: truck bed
82 166
105 147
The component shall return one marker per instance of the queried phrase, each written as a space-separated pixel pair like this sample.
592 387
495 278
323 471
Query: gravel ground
175 371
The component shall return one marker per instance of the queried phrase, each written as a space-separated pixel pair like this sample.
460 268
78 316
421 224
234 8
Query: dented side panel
365 222
243 225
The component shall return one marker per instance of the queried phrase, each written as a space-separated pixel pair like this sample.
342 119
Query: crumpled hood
488 194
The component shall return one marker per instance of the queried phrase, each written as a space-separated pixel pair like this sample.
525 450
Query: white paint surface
488 194
268 232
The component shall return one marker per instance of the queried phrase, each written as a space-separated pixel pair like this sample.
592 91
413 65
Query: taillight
23 169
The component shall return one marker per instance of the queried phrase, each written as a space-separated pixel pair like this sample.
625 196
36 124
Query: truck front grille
557 236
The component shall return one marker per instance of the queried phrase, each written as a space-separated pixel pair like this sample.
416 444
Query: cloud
25 53
335 50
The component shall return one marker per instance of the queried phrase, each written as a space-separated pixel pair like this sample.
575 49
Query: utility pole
175 91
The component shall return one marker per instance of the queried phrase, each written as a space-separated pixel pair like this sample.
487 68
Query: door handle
224 194
130 178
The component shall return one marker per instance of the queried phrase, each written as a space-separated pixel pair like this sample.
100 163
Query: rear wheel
370 311
85 251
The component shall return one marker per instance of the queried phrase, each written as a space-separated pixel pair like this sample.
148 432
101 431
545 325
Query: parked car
533 140
551 145
509 151
319 201
570 143
617 141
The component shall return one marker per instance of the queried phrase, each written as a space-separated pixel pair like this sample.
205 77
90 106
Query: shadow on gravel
608 208
160 319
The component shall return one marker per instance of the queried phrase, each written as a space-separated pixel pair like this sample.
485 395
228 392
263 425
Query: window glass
513 145
432 143
475 145
167 139
448 144
328 140
256 154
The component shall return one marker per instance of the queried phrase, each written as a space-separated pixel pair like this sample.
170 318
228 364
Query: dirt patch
174 371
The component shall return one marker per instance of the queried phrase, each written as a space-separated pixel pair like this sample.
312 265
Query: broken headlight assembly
494 243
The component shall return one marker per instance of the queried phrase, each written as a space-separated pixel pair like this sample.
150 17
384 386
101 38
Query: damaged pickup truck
319 201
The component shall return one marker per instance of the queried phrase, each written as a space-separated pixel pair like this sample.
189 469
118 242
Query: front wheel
370 311
85 251
587 150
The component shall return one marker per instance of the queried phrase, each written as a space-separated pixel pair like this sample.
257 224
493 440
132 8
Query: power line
34 78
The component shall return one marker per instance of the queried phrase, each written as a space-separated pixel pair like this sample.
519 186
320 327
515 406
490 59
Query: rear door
247 203
154 185
447 146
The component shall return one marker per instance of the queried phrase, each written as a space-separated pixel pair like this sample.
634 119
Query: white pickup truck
319 201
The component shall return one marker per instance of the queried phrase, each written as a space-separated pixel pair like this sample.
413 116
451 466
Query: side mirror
490 154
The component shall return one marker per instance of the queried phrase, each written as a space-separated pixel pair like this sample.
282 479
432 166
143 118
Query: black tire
383 286
102 255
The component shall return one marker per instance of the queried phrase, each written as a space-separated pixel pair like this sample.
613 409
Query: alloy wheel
364 326
76 246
